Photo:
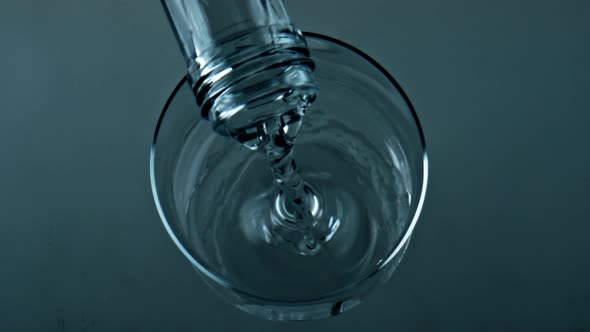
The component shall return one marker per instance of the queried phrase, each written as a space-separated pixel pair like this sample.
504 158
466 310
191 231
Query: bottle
246 61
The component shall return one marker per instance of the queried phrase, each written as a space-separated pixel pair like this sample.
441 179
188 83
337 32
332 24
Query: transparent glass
361 149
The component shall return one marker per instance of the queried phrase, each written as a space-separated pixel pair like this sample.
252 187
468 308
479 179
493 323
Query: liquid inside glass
295 213
300 229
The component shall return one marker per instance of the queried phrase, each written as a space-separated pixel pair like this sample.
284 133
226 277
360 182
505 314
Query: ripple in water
356 201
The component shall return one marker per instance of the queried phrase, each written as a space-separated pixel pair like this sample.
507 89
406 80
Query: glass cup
361 150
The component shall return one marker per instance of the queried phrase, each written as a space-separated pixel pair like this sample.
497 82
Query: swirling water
299 230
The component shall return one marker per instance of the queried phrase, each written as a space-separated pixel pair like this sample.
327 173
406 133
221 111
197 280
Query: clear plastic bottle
246 61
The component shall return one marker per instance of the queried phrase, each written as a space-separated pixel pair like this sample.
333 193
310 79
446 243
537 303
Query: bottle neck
246 61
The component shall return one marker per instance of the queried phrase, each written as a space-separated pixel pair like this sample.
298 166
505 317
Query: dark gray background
501 88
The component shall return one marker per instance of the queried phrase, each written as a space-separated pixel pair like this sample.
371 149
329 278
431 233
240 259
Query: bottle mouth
253 75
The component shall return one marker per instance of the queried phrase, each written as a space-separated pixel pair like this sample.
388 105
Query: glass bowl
362 149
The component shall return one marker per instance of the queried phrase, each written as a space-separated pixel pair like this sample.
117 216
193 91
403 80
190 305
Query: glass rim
394 252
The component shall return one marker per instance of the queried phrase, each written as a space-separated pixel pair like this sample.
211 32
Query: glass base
300 311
